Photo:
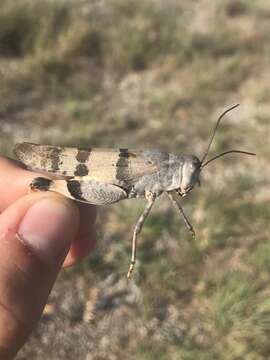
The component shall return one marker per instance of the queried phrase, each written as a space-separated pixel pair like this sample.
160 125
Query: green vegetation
152 74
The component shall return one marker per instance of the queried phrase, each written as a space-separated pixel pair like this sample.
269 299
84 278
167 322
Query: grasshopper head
190 174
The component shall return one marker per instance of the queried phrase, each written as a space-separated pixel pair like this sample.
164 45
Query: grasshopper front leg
138 227
176 202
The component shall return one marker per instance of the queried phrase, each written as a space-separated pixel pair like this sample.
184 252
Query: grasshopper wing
113 166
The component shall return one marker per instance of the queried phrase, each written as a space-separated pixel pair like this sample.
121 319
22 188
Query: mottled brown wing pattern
113 166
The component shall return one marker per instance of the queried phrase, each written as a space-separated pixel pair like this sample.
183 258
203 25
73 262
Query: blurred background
143 74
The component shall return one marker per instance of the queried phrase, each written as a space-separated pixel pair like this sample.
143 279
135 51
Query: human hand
38 233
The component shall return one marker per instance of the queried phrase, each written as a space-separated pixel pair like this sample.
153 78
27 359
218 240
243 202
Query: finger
35 235
14 182
85 239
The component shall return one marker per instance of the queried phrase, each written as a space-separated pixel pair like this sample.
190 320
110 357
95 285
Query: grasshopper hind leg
82 190
138 227
176 202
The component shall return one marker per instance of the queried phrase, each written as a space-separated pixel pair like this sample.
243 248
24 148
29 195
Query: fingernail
48 228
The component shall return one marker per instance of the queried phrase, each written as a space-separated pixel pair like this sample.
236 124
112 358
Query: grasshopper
106 176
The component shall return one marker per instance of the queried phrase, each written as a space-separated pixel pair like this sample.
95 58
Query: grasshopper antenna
227 152
214 132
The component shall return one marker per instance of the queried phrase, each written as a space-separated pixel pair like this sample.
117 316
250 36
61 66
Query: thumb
35 234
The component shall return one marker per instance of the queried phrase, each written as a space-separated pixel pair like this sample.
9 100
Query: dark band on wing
122 169
74 188
83 155
123 153
81 170
55 158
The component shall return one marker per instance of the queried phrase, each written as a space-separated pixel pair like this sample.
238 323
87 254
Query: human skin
39 233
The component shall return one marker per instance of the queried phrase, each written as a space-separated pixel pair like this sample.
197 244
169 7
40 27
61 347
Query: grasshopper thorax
190 174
